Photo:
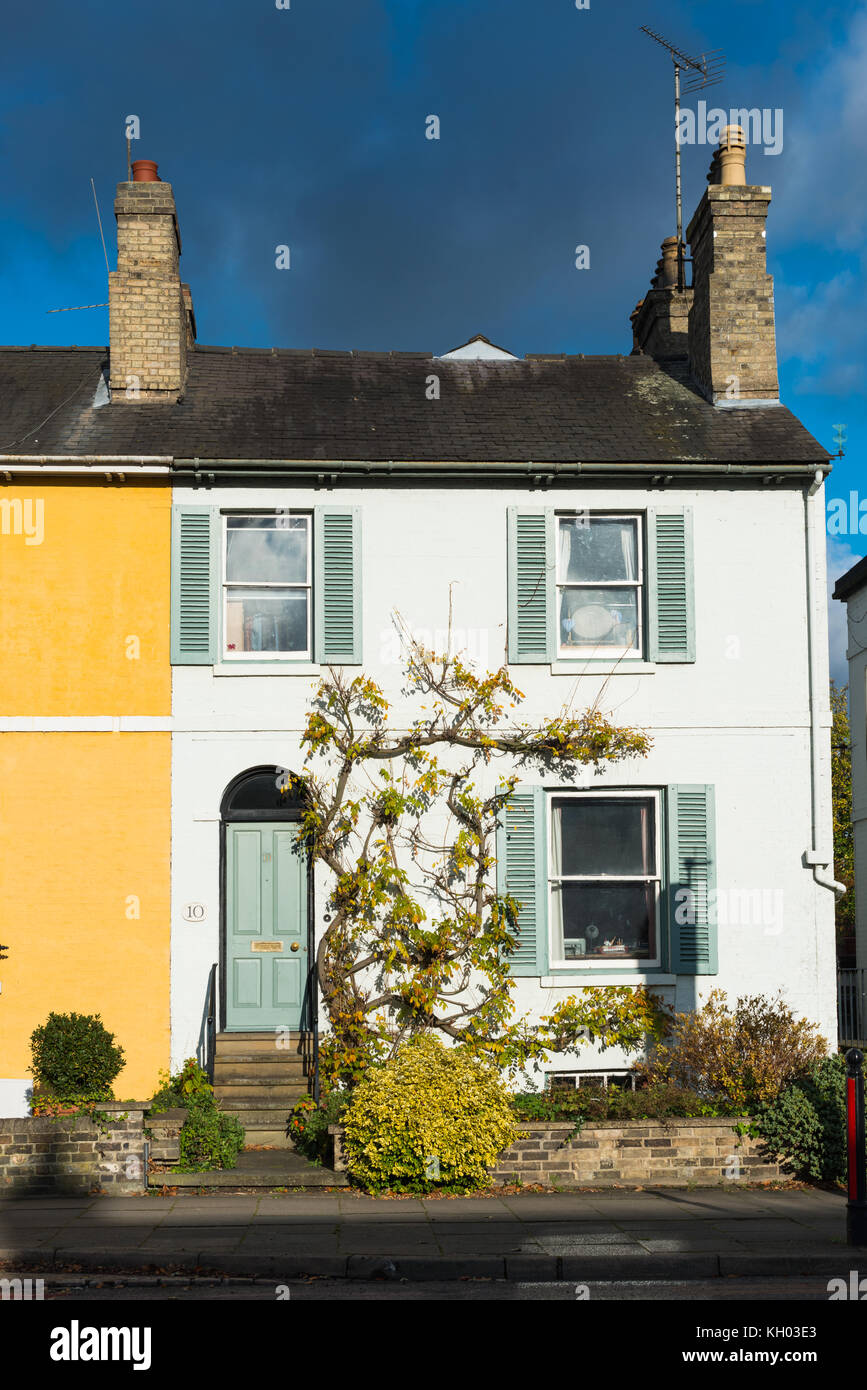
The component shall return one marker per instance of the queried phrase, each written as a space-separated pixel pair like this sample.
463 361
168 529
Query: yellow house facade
85 687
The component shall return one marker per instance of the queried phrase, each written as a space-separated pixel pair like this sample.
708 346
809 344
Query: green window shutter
532 585
671 603
692 881
195 585
522 872
337 596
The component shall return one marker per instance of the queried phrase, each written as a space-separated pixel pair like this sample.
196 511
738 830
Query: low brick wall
646 1153
630 1153
165 1129
73 1154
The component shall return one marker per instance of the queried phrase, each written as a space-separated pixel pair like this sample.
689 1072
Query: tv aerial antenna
705 71
73 308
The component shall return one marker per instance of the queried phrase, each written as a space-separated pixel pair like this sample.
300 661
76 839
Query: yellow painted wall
84 833
84 595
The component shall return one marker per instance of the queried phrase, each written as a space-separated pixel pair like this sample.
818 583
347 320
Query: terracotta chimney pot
144 171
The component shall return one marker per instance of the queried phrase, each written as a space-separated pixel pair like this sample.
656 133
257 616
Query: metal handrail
211 1024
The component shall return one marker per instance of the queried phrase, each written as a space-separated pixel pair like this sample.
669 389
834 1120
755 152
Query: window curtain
565 550
557 890
646 831
628 546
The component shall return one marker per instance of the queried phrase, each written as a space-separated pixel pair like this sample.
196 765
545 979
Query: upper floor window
595 586
599 586
267 587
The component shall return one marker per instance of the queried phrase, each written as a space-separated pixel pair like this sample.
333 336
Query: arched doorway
266 933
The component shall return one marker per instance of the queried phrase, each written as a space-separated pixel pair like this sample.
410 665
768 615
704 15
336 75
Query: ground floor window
604 878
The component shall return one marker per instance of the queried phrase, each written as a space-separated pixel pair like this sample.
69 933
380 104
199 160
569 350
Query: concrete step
278 1169
261 1042
262 1112
262 1063
235 1097
249 1093
273 1138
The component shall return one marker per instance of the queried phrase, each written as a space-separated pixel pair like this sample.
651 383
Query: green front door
266 927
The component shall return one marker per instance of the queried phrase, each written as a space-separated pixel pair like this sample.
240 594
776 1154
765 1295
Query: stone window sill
607 977
266 668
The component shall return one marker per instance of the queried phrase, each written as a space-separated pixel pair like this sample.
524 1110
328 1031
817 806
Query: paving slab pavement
655 1234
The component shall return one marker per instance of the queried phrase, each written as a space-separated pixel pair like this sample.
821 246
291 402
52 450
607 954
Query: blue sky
306 127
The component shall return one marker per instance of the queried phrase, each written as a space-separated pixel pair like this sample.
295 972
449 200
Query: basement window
591 1080
267 586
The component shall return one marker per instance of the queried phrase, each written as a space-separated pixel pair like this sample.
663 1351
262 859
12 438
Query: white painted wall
738 717
15 1093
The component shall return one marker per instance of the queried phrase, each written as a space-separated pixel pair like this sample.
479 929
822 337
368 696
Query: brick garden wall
72 1154
636 1153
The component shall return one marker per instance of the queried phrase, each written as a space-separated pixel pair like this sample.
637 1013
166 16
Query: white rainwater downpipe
818 857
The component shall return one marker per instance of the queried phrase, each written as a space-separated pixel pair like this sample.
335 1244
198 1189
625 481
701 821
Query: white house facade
643 533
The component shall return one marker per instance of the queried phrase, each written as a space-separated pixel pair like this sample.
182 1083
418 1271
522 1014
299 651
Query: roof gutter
328 471
541 472
85 465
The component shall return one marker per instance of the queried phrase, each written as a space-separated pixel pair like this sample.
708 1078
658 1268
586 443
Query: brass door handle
295 946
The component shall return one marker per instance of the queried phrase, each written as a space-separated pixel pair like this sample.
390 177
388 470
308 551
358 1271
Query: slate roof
853 580
273 404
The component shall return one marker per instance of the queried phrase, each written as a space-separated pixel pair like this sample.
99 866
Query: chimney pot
145 171
668 263
732 157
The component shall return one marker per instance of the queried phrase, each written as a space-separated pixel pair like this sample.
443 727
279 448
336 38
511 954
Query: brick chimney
151 322
659 320
732 347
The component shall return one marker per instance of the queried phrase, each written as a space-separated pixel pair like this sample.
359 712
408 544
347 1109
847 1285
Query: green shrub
741 1057
430 1117
182 1089
805 1125
75 1057
308 1123
590 1104
209 1138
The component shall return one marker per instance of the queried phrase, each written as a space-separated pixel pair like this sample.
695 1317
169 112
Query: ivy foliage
418 938
431 1117
841 803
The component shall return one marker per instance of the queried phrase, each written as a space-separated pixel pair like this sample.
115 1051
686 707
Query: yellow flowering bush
432 1116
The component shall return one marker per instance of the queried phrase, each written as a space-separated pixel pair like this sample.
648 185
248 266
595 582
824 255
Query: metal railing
851 1007
211 1024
